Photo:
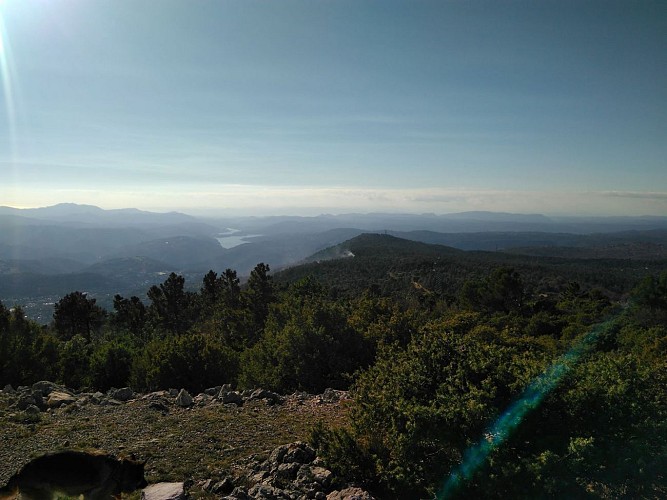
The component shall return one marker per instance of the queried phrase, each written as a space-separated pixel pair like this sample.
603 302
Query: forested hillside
435 344
398 267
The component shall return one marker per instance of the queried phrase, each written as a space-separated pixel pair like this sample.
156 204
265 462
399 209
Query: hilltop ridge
368 244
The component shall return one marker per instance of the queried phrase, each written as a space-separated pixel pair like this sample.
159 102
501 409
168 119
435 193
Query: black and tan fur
93 476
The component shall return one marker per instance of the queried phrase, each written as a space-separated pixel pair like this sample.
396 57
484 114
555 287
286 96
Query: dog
93 476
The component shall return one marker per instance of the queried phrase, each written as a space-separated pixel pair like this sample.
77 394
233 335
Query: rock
32 410
164 491
287 471
213 391
270 397
110 402
158 401
237 494
294 471
320 475
260 477
298 452
352 493
227 397
332 396
218 487
202 399
24 401
223 487
9 389
184 399
161 407
46 388
173 392
97 398
300 396
267 492
39 400
57 399
161 395
123 394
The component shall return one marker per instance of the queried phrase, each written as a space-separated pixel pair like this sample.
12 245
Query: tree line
428 373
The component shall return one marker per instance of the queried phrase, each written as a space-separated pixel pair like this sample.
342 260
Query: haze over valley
46 253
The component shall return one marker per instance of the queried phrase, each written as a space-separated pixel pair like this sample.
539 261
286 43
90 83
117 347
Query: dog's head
132 475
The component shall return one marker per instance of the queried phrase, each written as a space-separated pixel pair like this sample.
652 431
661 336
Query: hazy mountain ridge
518 242
51 251
71 213
129 266
35 286
625 250
40 266
180 252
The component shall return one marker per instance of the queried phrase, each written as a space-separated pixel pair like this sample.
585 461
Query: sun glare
6 79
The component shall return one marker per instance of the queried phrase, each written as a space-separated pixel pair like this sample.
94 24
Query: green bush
110 365
416 410
307 345
74 362
193 361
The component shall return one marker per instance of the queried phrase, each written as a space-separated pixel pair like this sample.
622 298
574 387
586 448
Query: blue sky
310 106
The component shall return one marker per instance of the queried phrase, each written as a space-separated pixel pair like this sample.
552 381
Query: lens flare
9 137
530 399
7 90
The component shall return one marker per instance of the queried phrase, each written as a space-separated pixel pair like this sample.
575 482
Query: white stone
164 491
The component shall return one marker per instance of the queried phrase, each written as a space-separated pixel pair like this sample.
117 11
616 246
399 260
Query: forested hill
369 244
396 266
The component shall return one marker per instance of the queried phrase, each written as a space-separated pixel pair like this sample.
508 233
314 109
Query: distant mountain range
71 213
48 252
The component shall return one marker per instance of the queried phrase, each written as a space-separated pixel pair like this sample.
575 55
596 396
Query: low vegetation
434 345
201 442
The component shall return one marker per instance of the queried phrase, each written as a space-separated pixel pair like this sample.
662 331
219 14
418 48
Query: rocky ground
220 443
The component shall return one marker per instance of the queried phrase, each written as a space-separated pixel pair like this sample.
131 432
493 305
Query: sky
312 106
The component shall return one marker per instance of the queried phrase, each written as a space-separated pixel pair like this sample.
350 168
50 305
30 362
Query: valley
49 252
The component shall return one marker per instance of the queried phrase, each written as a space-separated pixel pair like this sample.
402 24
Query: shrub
193 361
306 346
416 410
110 365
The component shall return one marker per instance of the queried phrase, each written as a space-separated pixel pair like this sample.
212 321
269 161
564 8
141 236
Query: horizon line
225 212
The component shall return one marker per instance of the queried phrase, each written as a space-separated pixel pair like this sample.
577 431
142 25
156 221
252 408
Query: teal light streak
532 396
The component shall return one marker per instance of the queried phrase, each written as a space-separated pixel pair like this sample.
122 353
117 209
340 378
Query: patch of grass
198 443
26 418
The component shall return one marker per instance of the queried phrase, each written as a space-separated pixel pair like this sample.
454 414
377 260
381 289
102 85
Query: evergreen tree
172 309
258 296
129 314
76 314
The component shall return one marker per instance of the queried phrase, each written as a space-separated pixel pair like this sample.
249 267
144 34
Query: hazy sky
315 105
